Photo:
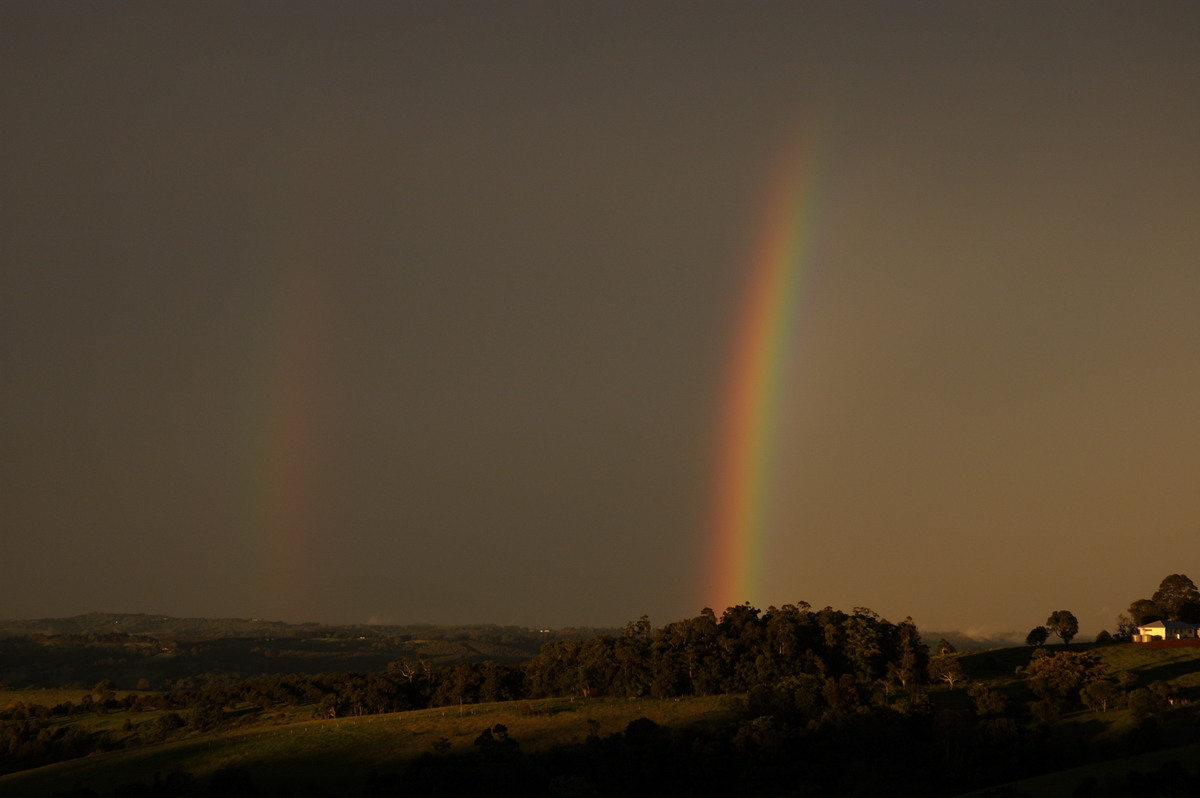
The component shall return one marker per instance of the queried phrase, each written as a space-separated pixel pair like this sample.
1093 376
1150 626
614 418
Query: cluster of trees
803 664
740 650
1062 623
792 661
1067 680
1176 599
702 655
34 734
743 649
31 742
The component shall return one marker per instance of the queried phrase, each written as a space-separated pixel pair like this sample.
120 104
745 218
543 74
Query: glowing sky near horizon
423 312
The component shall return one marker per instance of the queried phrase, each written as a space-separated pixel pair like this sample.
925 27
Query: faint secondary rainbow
756 379
289 391
284 452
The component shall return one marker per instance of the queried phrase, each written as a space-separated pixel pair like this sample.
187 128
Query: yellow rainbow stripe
748 439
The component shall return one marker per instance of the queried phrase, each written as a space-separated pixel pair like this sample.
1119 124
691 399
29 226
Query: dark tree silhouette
1063 624
1178 597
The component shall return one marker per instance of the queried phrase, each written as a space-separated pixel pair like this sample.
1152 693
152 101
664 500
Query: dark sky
423 311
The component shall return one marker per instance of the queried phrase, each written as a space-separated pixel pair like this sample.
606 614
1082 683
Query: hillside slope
338 755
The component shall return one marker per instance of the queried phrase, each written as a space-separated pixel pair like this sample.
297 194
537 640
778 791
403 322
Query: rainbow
289 397
286 471
758 363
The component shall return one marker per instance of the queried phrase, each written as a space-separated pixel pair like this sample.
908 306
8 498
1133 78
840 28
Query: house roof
1170 625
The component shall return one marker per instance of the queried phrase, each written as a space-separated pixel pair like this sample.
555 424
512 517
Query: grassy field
320 752
111 722
1178 665
51 697
291 748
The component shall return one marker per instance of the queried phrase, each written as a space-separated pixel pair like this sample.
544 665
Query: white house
1165 630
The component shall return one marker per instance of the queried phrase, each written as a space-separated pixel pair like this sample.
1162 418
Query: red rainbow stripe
748 430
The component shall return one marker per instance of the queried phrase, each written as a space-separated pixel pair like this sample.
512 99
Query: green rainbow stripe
748 438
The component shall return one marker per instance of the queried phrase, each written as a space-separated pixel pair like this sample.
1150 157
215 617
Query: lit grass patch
323 752
54 697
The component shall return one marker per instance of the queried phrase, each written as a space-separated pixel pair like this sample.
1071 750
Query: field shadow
1168 671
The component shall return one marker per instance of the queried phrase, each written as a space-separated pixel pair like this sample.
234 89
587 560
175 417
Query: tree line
1176 599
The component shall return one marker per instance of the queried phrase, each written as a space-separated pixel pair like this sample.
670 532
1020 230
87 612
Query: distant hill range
83 649
152 625
525 641
963 641
208 628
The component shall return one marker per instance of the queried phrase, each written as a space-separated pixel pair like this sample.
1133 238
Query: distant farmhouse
1165 630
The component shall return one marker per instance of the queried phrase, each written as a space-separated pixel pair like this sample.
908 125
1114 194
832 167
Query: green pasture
289 747
52 697
322 752
1177 666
